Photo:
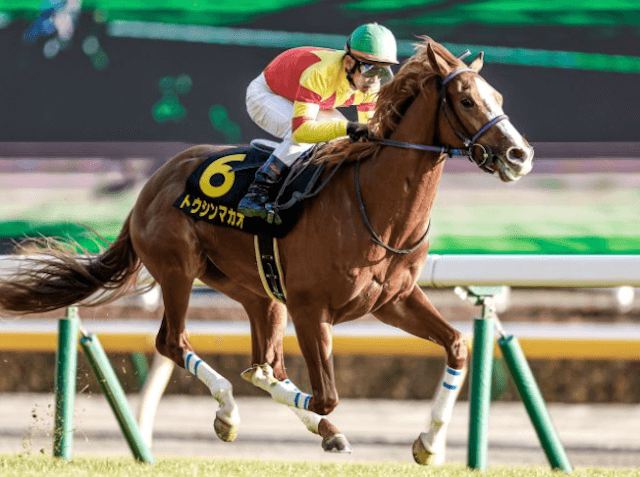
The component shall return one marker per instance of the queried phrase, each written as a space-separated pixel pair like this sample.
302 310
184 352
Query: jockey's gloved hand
357 130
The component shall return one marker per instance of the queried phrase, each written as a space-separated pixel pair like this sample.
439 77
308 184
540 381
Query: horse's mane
393 100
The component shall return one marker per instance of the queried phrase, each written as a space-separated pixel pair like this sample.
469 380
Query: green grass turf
39 465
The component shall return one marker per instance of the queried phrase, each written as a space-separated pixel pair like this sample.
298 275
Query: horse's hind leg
172 342
416 315
172 257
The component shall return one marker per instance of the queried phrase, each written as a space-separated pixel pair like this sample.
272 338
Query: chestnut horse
357 249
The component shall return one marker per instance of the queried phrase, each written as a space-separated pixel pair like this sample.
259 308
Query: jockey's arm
307 129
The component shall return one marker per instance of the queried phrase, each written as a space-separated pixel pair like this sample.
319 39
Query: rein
449 151
466 151
374 236
296 197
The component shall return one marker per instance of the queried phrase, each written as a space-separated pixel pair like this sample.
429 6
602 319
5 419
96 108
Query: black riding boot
254 202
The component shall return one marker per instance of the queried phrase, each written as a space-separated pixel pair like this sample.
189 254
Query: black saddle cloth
215 188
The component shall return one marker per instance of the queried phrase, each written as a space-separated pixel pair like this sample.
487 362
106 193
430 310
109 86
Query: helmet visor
369 71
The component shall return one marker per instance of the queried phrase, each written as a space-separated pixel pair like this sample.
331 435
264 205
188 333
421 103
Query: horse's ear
476 64
437 64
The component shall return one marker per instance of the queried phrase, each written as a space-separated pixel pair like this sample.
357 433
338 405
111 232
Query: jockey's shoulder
315 48
301 52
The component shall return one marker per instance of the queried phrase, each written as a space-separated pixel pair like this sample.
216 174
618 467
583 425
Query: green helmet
373 42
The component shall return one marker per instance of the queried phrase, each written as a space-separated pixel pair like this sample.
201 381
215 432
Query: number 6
220 167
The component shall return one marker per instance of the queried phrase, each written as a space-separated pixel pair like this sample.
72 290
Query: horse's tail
55 279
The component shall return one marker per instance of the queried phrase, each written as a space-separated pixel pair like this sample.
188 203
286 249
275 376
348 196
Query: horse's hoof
248 373
225 431
421 454
337 443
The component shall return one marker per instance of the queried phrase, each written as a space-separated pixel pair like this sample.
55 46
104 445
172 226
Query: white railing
564 271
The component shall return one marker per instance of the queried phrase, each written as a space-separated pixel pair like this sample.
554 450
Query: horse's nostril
517 154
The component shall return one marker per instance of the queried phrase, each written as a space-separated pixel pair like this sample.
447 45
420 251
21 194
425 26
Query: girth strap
269 268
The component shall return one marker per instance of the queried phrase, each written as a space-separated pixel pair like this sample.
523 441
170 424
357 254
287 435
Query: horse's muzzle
517 162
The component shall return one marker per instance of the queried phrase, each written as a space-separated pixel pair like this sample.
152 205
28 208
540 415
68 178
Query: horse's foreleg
430 447
287 393
316 343
315 339
268 322
416 315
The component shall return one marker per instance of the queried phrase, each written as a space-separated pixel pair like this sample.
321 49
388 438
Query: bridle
469 143
486 161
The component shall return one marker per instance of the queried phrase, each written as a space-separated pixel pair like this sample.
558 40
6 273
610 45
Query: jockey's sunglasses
369 71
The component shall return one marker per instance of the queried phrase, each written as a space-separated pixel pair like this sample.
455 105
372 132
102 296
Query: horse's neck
399 186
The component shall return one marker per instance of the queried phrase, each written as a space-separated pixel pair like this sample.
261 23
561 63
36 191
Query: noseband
487 157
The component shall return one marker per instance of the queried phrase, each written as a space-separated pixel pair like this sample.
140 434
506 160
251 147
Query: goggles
369 71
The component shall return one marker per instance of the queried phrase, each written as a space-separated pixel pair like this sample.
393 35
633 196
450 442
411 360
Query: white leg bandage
434 440
284 392
446 395
220 387
310 419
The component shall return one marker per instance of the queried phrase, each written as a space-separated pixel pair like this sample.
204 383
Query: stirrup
272 215
255 210
254 201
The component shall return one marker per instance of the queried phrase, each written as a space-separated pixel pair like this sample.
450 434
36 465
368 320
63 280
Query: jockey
295 98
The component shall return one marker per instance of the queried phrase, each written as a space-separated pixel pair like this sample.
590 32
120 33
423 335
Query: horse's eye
466 102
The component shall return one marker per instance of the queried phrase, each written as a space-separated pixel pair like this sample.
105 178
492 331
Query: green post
499 379
141 366
534 403
480 393
65 383
115 395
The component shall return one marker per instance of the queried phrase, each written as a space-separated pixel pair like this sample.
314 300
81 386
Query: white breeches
274 113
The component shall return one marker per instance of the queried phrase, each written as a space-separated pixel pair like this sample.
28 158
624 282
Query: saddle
215 188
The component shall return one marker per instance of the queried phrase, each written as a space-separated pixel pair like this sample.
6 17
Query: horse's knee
457 352
323 406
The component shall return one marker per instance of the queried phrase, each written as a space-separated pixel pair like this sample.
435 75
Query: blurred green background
176 70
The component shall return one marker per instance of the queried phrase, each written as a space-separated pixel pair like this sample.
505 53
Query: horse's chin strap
375 238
